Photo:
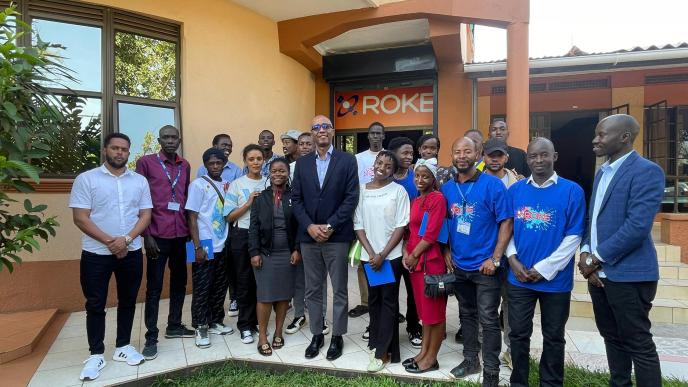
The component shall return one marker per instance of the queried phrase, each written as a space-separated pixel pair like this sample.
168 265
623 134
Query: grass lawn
232 375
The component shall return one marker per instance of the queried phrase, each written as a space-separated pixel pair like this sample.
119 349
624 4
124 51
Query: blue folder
444 231
383 276
206 244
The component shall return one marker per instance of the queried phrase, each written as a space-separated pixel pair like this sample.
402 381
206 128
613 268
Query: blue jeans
479 297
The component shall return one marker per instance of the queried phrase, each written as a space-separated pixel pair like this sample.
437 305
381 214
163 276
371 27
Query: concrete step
668 253
670 289
663 310
657 231
22 331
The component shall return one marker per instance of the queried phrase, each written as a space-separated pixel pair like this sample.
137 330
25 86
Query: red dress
430 310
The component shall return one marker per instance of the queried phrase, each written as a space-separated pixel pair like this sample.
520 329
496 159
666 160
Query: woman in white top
379 221
238 201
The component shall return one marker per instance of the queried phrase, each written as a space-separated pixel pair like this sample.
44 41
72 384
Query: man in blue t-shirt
548 224
479 230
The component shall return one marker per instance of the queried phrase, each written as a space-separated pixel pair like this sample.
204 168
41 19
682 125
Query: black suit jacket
517 161
262 216
332 204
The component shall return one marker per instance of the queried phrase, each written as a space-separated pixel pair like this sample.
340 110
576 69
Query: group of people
498 229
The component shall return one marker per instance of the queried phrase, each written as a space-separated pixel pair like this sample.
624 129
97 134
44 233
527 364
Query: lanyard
173 184
463 197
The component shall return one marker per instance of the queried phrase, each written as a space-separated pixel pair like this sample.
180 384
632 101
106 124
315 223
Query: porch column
517 85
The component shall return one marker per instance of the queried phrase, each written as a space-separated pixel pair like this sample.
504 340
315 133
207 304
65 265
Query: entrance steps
671 302
21 332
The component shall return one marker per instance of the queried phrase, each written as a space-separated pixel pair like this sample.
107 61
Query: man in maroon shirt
168 176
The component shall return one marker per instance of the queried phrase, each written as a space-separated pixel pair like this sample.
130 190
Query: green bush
30 118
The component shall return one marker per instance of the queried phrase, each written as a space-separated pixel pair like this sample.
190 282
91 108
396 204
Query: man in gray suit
325 195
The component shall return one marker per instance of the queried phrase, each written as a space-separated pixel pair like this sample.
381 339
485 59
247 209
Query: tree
29 118
145 67
73 149
150 145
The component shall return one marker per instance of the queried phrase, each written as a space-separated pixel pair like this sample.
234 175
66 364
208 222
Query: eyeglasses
325 126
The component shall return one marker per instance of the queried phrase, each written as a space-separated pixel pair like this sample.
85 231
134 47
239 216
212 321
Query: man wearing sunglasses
325 195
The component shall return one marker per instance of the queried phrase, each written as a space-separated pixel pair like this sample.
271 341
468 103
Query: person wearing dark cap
290 144
496 156
204 206
517 157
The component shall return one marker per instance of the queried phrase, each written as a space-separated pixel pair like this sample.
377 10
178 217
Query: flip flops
265 349
277 342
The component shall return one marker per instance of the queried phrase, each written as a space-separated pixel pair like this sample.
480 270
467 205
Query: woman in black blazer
274 253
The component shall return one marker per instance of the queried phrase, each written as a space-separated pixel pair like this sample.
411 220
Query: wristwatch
329 227
496 262
128 240
588 260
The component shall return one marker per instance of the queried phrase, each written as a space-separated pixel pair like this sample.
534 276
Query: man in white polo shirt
112 206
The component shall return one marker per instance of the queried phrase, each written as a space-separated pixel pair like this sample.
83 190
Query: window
666 143
126 68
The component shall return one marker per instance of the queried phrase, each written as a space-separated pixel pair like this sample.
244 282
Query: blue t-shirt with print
543 217
408 185
474 225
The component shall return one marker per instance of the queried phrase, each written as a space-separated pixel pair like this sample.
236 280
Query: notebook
383 276
444 231
206 244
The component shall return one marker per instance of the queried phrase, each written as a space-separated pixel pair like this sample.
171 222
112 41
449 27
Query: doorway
572 134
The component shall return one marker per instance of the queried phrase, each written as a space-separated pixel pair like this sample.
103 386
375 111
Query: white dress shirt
608 172
557 261
114 201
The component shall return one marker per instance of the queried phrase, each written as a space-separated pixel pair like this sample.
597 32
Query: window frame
110 20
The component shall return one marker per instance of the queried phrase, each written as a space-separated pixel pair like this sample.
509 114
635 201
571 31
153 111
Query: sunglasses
325 126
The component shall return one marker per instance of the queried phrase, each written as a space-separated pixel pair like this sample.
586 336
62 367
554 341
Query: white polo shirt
114 201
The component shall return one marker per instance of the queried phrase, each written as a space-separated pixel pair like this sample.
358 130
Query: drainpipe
474 102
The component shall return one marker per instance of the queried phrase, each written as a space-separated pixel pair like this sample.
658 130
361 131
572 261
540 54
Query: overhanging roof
279 10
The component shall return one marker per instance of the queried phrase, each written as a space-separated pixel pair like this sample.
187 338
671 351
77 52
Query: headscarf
430 164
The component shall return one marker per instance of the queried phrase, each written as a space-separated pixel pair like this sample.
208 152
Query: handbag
438 285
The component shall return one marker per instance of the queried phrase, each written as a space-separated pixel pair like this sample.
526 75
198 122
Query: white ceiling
380 36
279 10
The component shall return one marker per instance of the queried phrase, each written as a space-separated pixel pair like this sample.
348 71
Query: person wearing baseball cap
496 155
290 141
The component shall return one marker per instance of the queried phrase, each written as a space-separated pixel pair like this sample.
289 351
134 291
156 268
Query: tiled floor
62 364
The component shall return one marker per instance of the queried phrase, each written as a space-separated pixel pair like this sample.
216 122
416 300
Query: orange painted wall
591 99
674 93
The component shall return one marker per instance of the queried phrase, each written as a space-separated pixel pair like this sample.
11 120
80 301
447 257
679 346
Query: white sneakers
220 329
128 354
95 363
202 337
376 365
246 337
92 367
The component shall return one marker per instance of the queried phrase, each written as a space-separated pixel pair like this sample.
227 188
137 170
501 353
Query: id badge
173 206
463 228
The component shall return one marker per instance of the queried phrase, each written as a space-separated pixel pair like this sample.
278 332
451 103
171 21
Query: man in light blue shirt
231 171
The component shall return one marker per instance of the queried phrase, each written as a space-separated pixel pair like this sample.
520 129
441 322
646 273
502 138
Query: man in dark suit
517 156
618 256
325 195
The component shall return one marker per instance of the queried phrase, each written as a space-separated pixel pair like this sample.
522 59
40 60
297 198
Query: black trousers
209 290
479 297
554 309
383 308
622 312
173 255
245 288
412 321
231 273
95 274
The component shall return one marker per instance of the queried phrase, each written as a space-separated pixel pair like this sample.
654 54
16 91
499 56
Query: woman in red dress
423 255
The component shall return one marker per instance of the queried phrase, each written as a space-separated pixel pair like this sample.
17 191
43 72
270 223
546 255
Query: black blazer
334 204
260 230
